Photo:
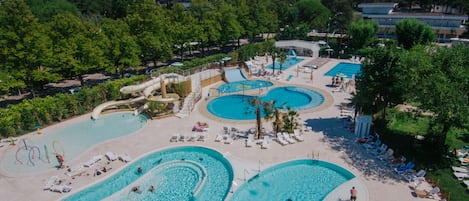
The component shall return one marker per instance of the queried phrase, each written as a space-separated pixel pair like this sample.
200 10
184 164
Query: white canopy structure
307 48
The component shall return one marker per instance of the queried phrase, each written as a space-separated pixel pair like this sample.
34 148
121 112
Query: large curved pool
181 173
237 107
310 180
37 152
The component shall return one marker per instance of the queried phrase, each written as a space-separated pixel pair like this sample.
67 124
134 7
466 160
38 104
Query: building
446 26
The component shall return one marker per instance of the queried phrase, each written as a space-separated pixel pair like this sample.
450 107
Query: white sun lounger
60 188
466 182
174 138
265 143
297 135
461 175
110 156
92 161
50 182
125 158
280 139
460 169
219 138
287 137
250 140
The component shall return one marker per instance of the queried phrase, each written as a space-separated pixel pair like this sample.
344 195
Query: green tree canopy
363 33
411 32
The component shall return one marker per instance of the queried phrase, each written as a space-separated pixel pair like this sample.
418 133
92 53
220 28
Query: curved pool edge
342 192
122 167
201 106
60 125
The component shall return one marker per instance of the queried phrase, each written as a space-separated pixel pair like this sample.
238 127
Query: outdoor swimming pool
294 180
182 173
237 107
289 62
243 85
64 141
347 69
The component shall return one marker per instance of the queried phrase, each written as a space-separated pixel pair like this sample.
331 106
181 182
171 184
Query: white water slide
234 75
147 88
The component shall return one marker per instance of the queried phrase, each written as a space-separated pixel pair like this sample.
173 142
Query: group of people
136 189
336 81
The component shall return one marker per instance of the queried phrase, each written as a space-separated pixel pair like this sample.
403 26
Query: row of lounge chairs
289 138
196 136
54 184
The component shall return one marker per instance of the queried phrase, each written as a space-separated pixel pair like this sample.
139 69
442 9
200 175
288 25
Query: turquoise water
348 69
289 62
64 141
243 85
295 180
182 173
237 107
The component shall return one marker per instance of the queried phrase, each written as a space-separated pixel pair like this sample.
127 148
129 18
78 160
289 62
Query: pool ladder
313 155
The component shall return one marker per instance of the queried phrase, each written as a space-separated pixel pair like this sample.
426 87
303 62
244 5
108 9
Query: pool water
64 141
289 62
182 173
348 69
237 107
243 85
308 180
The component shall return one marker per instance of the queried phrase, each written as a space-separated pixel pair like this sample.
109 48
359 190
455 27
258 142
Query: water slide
292 52
147 88
234 75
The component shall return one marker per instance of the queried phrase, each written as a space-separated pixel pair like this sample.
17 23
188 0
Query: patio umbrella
177 64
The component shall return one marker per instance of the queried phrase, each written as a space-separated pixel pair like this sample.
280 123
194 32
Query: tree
363 33
26 49
410 32
313 13
290 119
439 78
261 108
282 58
123 50
378 85
44 10
184 28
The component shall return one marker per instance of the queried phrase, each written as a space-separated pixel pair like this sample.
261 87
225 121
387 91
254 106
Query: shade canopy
177 64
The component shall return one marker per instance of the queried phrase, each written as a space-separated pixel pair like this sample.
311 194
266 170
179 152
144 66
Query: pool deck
328 141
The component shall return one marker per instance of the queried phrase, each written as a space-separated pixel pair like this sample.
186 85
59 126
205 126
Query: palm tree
259 107
290 120
282 57
278 123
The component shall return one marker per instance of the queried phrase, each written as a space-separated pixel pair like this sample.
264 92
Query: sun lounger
125 158
388 155
460 169
265 143
461 175
420 175
92 161
280 139
433 193
287 137
50 182
466 182
380 150
61 188
75 170
250 140
406 168
297 135
228 139
174 138
373 145
110 156
201 137
219 138
182 138
193 137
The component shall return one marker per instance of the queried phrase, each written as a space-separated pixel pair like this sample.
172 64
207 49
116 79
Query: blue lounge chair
405 168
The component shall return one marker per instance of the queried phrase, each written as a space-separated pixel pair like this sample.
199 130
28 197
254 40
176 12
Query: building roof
377 5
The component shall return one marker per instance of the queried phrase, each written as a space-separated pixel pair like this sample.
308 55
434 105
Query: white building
446 26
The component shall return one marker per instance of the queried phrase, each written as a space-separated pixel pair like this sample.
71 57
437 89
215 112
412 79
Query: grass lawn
402 127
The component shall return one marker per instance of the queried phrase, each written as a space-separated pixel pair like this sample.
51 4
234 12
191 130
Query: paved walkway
329 141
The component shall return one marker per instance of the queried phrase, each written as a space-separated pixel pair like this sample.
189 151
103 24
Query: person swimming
139 170
151 189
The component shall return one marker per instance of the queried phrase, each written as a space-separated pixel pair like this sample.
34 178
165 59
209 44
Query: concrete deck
328 141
